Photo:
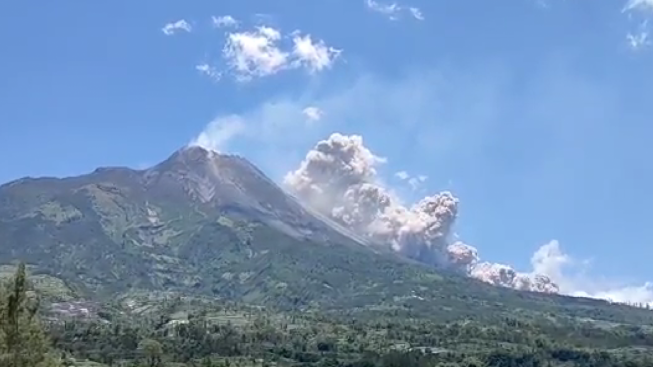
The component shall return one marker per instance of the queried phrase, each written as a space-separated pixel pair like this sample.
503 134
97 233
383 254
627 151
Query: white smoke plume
219 133
338 177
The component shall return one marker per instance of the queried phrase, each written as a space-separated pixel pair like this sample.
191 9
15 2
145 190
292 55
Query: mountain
212 225
117 227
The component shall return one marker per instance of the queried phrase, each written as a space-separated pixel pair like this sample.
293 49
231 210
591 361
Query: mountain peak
233 183
195 160
193 155
220 179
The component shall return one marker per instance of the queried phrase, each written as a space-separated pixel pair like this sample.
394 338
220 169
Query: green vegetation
180 331
23 342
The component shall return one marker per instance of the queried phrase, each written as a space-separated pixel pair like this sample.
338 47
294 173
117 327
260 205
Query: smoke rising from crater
338 177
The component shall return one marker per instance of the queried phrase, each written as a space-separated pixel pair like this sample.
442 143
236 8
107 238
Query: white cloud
262 51
312 113
638 40
255 53
174 27
639 11
224 21
569 274
402 175
639 5
315 56
209 71
259 53
416 13
415 182
392 10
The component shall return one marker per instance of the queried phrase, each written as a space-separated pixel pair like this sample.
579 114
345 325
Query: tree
23 342
152 351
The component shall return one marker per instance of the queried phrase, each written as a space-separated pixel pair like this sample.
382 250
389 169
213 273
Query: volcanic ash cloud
338 178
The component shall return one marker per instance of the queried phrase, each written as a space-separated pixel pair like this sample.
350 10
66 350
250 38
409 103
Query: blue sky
534 113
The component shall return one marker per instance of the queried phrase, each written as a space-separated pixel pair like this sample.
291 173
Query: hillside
214 226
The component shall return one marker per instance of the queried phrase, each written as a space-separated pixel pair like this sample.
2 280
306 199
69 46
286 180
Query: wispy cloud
175 27
639 12
402 175
639 37
312 113
393 10
209 71
415 182
224 21
638 5
416 13
638 40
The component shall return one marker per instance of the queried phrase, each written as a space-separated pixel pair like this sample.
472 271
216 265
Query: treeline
255 337
268 340
196 344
